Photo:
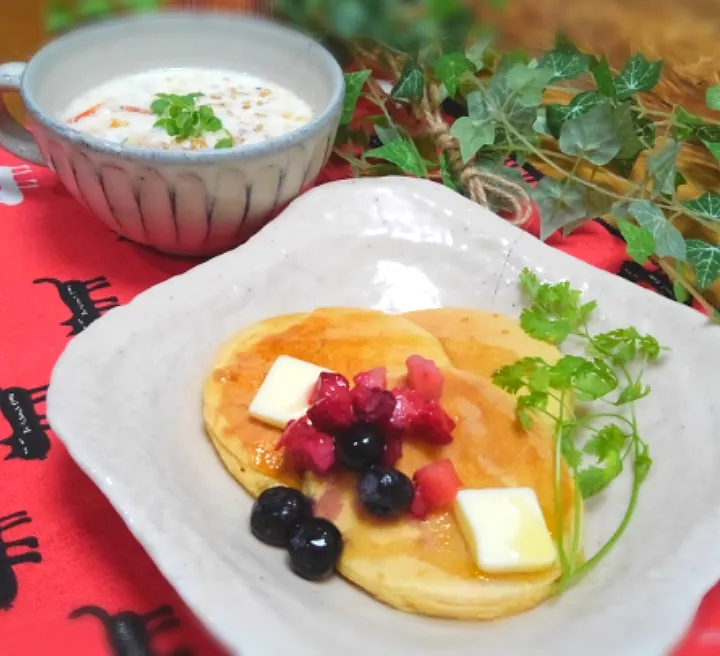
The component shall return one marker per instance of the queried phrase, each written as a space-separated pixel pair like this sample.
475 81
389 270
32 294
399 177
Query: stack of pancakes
419 566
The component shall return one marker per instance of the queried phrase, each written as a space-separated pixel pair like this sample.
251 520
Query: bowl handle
13 136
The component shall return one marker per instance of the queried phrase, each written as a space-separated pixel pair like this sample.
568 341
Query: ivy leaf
638 74
472 135
705 259
630 144
403 154
602 75
714 148
662 168
476 52
565 65
477 107
411 85
591 136
541 125
354 83
686 124
707 206
528 83
502 101
559 204
669 241
449 68
386 134
598 203
580 104
640 241
681 294
58 18
93 8
712 97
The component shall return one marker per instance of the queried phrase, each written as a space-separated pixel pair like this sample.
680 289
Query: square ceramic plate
125 398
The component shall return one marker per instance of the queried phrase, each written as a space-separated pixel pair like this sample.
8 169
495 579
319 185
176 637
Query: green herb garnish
182 118
612 374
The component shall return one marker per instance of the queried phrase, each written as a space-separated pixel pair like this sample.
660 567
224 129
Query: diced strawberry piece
433 424
393 451
331 410
372 405
306 448
407 407
375 378
424 377
437 485
327 385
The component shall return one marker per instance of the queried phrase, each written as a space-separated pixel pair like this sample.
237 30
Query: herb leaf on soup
182 118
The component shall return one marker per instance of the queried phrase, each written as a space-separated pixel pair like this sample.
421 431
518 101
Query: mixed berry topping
359 427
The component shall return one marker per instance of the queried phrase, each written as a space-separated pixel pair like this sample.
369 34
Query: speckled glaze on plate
125 399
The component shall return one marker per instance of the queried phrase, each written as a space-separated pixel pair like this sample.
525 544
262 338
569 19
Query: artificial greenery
613 374
433 50
61 15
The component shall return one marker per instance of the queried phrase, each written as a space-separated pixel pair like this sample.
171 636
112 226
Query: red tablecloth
72 578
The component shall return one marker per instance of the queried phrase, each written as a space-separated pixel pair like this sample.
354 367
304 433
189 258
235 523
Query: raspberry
306 448
375 378
424 377
433 424
331 410
372 405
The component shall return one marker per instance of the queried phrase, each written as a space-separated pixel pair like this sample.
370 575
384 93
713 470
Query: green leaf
638 74
681 294
559 203
705 259
598 203
591 136
633 392
541 125
686 125
669 241
213 124
580 104
403 154
602 75
630 144
449 68
661 166
476 52
58 18
448 179
159 106
225 142
714 149
528 83
354 83
93 8
205 112
622 345
592 480
411 85
386 134
640 241
712 97
503 102
472 135
642 463
608 440
565 65
706 207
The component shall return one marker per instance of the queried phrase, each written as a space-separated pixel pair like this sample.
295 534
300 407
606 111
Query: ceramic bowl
186 203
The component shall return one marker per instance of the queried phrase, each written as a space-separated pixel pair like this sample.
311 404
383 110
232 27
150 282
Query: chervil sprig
182 118
611 438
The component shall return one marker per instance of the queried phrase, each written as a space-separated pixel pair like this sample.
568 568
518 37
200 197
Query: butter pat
285 392
505 529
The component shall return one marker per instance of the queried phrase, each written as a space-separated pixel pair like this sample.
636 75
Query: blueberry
277 512
385 492
359 447
315 548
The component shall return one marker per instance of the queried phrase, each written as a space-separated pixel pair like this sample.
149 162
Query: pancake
426 566
345 340
482 342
